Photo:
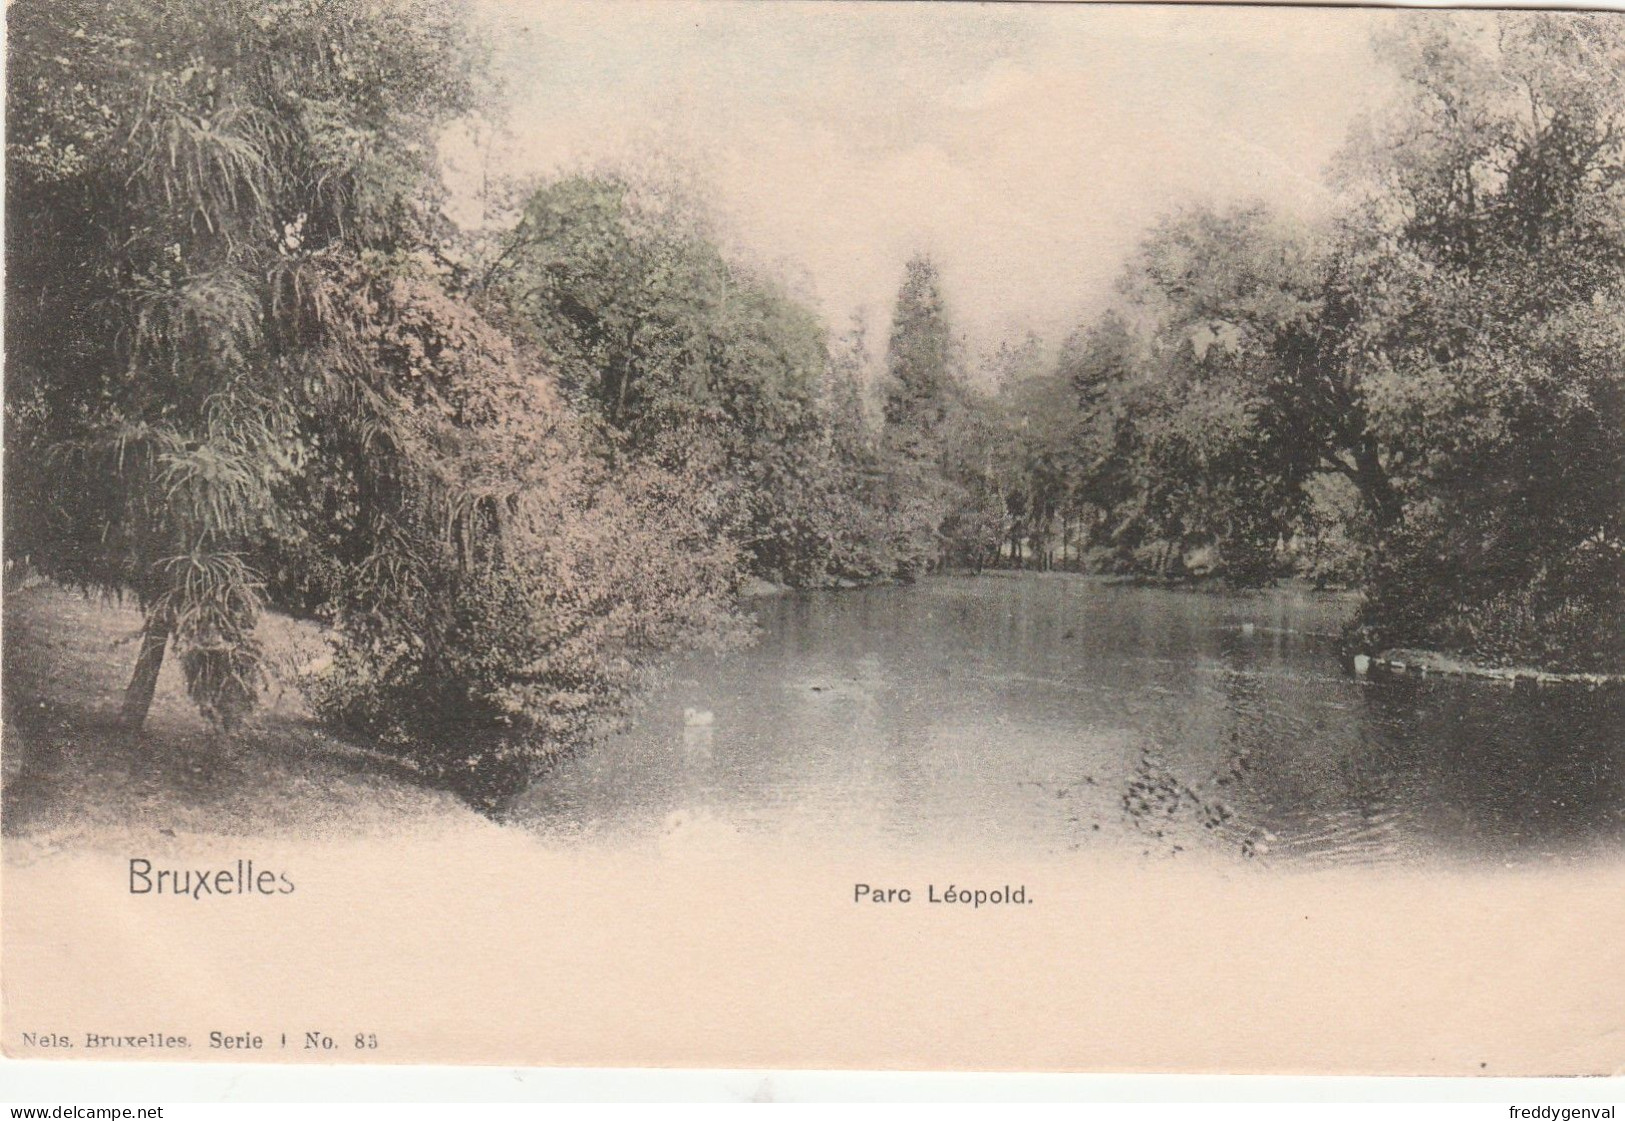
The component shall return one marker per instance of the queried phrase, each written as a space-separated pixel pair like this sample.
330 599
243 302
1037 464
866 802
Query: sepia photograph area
629 533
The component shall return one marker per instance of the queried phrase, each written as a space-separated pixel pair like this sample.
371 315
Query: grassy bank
71 775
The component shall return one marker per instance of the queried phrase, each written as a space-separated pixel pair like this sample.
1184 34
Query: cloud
1026 147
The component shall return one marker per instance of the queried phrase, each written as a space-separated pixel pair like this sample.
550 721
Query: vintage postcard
1033 537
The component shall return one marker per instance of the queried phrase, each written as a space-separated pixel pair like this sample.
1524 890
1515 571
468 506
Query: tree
1230 433
1042 418
919 356
199 180
509 597
677 354
918 395
1103 365
1490 244
851 480
1424 395
973 438
243 368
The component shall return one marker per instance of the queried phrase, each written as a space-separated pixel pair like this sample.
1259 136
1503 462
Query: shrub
507 593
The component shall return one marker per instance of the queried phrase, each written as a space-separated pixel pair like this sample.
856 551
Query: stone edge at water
1405 661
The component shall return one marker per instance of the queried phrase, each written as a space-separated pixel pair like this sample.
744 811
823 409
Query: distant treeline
1421 396
251 363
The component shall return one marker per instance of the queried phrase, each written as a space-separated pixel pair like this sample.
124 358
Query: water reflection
1052 714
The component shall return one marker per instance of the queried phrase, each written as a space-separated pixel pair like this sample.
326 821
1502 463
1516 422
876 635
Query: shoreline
1405 661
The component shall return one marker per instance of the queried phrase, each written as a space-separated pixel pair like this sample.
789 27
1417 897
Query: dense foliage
250 363
191 187
240 371
1421 397
673 354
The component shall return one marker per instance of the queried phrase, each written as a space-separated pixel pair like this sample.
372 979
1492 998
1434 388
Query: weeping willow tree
192 190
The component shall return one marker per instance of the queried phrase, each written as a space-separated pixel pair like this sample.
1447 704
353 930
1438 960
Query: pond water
1049 714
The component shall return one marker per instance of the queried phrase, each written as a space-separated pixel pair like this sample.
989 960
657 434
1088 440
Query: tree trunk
144 682
1375 485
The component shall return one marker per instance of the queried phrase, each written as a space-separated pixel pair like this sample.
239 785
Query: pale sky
1026 147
